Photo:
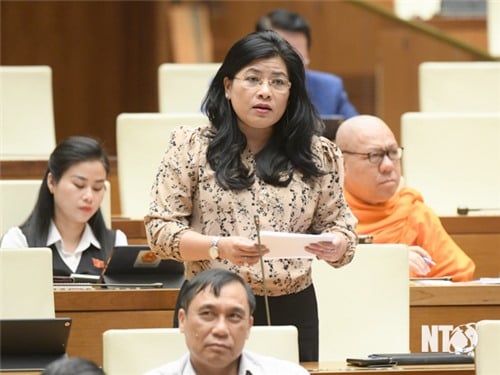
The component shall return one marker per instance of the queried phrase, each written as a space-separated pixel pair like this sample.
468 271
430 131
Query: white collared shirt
72 259
15 238
250 364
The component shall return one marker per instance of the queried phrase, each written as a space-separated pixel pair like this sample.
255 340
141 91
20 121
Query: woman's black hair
72 151
289 147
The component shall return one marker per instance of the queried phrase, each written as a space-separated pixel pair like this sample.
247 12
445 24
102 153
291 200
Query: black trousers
298 309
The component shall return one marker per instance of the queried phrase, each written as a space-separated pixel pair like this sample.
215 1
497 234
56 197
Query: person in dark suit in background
326 90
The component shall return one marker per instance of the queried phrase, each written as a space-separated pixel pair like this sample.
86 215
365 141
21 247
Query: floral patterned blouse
185 195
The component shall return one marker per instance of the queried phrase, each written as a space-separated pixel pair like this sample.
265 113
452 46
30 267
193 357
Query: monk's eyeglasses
376 157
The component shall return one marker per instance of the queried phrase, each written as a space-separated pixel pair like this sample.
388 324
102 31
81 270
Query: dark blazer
328 94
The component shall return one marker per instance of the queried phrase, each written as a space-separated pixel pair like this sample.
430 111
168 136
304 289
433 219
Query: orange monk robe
405 219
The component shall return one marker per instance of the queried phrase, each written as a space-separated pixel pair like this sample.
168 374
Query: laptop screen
32 343
139 259
133 264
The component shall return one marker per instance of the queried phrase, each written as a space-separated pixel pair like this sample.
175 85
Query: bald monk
394 214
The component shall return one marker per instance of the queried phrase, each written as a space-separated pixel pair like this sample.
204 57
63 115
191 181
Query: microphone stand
266 301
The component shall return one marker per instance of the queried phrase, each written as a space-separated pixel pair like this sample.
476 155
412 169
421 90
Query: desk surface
464 294
325 368
115 300
335 368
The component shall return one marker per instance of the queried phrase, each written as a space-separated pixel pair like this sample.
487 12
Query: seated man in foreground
388 212
216 317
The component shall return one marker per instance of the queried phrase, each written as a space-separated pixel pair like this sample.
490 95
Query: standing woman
260 156
67 215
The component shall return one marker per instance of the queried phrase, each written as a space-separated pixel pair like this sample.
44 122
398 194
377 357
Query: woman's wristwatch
213 250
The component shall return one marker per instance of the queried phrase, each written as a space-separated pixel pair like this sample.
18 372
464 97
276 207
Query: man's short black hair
214 279
285 20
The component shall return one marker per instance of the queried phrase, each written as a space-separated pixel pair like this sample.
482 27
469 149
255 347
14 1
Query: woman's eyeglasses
277 84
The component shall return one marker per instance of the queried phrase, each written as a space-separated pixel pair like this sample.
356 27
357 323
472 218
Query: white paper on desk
289 245
489 280
432 282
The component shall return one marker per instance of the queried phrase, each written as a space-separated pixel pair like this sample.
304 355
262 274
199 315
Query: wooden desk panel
134 229
96 311
484 249
86 333
479 236
436 310
115 300
472 224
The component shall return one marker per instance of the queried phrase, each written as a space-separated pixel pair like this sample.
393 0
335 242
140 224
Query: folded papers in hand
290 245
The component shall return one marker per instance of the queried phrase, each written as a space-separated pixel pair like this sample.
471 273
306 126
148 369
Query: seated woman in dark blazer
67 215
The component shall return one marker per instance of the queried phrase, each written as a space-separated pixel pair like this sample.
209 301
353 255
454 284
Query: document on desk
290 245
489 280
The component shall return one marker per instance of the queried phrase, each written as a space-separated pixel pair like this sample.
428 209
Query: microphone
465 210
266 301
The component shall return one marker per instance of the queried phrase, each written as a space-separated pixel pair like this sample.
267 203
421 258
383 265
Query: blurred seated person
216 318
389 212
325 90
72 366
67 215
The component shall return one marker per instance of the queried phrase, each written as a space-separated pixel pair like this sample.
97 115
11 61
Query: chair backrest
423 9
182 87
487 351
276 341
453 159
26 288
135 351
26 112
364 306
18 197
106 205
141 140
470 86
493 26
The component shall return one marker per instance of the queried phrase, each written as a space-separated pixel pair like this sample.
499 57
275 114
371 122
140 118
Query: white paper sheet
290 245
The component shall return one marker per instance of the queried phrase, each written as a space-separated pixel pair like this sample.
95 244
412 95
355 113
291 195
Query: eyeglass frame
268 80
381 153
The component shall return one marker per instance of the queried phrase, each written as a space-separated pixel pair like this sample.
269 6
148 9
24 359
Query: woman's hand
240 250
331 250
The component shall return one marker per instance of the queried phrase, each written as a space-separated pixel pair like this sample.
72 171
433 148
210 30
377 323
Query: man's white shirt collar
246 366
